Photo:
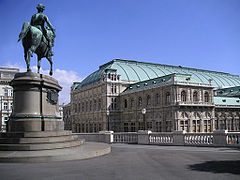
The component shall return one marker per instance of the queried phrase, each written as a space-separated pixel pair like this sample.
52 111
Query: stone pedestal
143 136
35 129
35 123
35 107
178 137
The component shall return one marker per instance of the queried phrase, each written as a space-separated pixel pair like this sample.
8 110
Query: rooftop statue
38 38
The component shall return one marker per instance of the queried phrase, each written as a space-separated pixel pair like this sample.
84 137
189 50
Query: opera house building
127 96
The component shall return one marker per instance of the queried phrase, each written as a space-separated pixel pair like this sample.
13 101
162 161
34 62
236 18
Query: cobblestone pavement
141 162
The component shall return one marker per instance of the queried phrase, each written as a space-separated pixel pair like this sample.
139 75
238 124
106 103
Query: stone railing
217 138
160 138
195 103
130 137
198 139
233 139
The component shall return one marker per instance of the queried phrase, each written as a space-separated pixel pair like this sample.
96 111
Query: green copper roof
230 92
161 80
227 101
135 71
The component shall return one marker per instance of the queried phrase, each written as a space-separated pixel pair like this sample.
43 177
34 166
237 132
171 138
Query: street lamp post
108 112
144 120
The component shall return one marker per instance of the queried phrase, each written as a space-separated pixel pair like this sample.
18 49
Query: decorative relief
52 96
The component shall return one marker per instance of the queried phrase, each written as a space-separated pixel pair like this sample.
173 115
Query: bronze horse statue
34 41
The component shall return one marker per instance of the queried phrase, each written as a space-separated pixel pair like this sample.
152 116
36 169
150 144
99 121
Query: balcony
192 103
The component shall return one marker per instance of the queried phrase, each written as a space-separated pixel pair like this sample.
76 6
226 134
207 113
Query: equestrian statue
38 39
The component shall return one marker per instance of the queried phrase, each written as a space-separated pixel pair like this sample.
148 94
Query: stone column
190 125
201 125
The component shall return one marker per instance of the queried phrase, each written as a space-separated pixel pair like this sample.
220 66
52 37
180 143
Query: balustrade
198 139
233 138
217 138
161 138
129 137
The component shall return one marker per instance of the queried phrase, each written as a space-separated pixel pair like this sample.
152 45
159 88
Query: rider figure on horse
38 21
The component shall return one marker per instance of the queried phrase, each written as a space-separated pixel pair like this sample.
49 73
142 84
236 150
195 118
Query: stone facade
169 106
66 117
6 95
175 101
90 104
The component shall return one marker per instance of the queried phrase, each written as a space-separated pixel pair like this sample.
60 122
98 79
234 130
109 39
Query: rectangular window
11 93
11 106
149 125
5 106
5 92
125 127
112 89
83 126
133 127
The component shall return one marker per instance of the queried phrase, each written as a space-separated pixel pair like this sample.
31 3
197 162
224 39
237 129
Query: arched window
183 96
148 100
125 103
139 101
94 104
195 96
83 107
206 97
157 99
99 104
168 98
90 106
132 103
86 106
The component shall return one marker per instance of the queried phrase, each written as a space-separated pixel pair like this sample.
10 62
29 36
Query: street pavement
140 162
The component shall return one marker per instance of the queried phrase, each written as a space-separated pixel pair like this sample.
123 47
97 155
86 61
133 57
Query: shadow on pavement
232 167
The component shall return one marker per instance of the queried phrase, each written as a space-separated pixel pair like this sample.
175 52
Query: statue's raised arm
37 38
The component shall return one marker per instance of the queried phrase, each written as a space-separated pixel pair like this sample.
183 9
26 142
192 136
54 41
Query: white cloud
15 65
64 78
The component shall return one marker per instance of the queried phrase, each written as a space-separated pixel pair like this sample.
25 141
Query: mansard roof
227 101
229 92
135 71
184 79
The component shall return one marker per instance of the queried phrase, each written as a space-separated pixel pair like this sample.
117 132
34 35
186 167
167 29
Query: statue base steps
32 141
87 150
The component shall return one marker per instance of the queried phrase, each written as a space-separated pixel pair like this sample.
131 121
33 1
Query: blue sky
202 34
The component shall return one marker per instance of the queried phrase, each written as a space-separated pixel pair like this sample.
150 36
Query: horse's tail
25 28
